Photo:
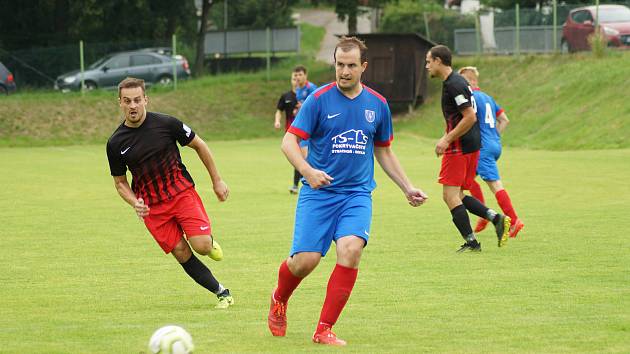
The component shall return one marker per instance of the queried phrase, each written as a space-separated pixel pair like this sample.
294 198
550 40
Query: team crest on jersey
370 115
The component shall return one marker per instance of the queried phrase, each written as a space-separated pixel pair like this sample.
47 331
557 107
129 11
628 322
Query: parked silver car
107 72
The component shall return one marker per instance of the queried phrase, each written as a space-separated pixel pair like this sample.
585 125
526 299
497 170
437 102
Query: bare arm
291 149
468 120
276 123
219 187
390 164
125 192
502 122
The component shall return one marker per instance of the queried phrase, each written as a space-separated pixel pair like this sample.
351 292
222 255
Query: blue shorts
487 167
322 216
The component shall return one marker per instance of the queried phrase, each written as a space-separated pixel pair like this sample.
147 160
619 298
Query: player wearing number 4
348 125
459 148
492 121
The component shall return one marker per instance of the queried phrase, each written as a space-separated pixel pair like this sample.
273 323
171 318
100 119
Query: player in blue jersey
492 121
347 124
304 87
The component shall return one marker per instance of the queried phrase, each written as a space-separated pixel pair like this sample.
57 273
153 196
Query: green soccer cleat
216 253
225 300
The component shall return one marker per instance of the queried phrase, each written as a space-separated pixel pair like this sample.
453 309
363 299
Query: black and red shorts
459 169
169 220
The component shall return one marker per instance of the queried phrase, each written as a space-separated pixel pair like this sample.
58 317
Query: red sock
287 282
475 191
340 286
506 204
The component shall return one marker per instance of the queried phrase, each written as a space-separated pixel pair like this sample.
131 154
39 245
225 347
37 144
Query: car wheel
90 85
564 47
165 80
3 91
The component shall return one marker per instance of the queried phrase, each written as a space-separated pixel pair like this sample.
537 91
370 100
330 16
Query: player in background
304 87
288 104
492 122
162 192
347 124
459 148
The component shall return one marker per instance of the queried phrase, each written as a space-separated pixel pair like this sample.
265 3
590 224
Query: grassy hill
554 102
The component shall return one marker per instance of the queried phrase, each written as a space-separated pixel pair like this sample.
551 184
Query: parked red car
614 23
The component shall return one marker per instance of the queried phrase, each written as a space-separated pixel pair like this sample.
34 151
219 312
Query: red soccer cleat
516 227
277 319
481 225
328 337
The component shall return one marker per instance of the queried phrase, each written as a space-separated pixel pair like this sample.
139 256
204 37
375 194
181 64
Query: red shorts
169 220
459 170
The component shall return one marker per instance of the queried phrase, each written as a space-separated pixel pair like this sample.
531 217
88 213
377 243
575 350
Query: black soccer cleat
502 227
470 247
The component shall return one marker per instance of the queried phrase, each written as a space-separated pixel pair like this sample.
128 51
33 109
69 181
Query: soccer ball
171 340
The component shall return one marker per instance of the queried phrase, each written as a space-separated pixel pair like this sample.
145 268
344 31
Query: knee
201 244
302 266
350 254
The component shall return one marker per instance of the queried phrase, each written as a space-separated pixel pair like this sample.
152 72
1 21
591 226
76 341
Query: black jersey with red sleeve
151 154
288 103
457 96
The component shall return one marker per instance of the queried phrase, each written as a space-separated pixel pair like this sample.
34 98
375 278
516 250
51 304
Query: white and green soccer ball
171 340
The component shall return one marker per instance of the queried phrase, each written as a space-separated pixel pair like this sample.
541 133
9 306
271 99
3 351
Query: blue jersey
487 113
303 92
342 133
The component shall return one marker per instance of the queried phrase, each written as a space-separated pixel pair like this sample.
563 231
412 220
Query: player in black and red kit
162 191
459 148
288 103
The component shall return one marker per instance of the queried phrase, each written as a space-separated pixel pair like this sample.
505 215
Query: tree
201 37
350 10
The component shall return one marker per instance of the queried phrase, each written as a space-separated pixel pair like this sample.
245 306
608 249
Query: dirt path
328 20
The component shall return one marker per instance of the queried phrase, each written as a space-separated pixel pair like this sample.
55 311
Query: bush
407 16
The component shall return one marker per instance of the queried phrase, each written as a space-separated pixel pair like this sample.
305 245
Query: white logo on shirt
460 100
331 116
187 130
204 228
124 151
370 115
350 142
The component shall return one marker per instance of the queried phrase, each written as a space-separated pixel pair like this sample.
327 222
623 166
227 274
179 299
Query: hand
276 125
317 178
141 209
441 146
416 197
221 190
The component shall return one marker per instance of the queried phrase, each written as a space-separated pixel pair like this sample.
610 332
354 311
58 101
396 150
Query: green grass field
80 273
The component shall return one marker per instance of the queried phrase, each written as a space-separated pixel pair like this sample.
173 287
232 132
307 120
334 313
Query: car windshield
99 62
619 14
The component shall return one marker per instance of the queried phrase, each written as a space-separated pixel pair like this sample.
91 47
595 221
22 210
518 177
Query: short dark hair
348 43
442 52
299 68
130 82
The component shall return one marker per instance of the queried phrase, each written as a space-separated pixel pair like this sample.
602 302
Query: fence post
517 39
555 26
174 48
268 33
478 33
426 26
82 66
